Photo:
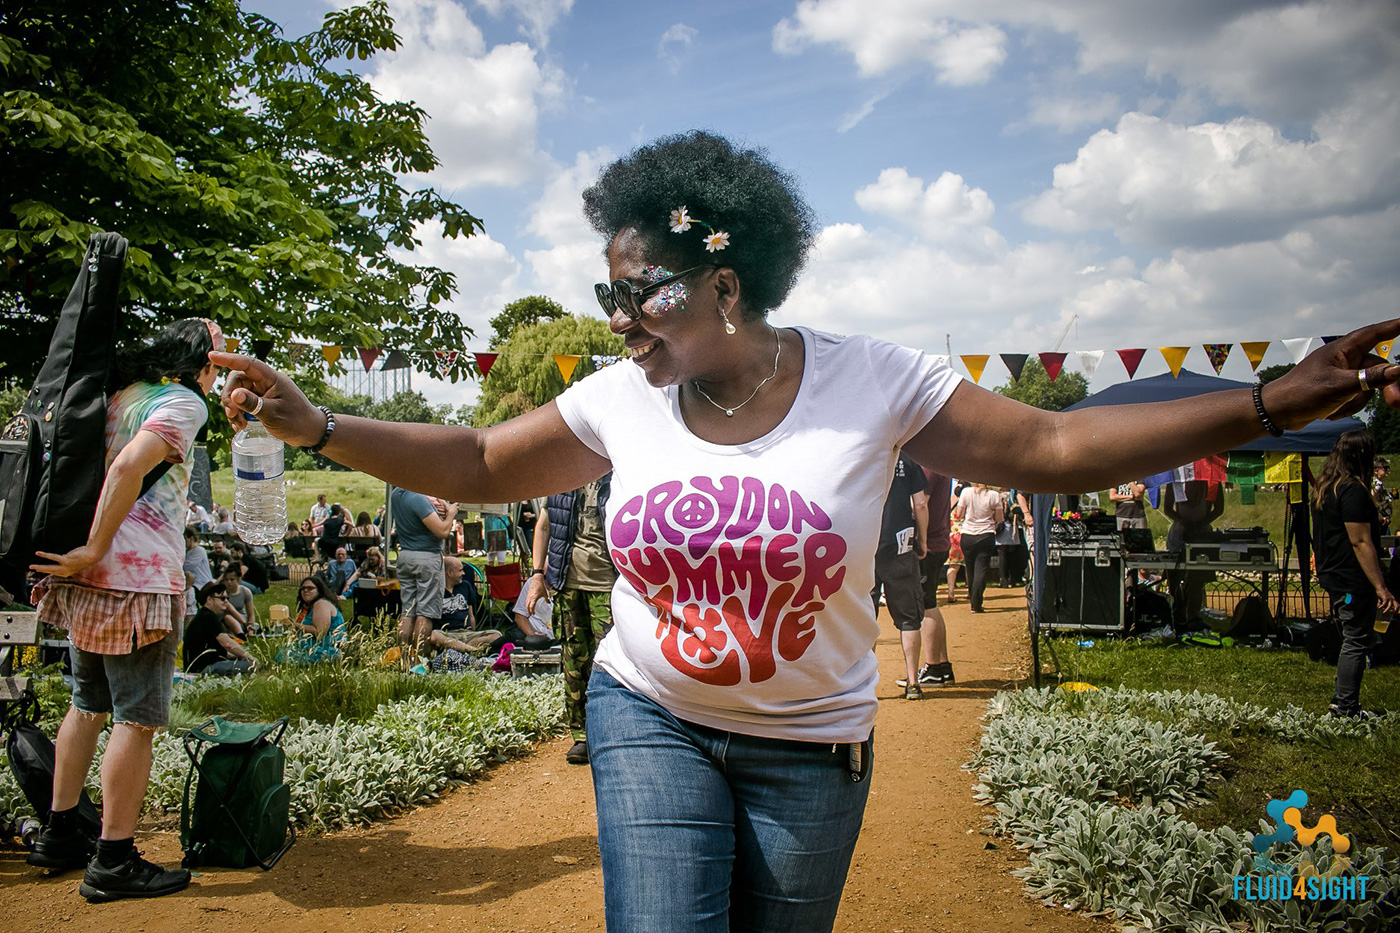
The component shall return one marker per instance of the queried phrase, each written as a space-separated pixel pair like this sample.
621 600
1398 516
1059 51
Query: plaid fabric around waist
109 621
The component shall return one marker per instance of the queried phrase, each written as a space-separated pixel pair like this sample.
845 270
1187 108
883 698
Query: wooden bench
17 630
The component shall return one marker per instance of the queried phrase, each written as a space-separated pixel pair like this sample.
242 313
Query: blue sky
985 171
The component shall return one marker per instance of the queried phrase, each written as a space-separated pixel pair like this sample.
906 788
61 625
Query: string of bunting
1131 358
975 363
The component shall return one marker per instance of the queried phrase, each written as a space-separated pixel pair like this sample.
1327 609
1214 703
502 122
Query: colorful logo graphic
1288 820
1280 881
736 569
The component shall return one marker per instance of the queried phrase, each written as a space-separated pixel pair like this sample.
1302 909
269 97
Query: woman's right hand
286 411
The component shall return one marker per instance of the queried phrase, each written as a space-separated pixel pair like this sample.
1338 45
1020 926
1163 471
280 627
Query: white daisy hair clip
681 221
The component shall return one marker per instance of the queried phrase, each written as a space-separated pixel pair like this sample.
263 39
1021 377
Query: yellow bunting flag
230 344
1254 350
1282 467
1383 349
332 354
975 363
566 363
1174 356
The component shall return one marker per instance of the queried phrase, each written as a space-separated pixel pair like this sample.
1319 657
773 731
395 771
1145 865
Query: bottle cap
249 416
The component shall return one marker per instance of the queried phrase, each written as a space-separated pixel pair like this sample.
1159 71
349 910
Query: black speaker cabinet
1083 589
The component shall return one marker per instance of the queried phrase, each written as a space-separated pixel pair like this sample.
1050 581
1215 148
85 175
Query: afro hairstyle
739 191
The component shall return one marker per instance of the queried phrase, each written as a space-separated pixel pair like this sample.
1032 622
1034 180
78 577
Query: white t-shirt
743 600
979 510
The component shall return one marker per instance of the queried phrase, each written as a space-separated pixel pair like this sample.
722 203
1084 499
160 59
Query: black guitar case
51 453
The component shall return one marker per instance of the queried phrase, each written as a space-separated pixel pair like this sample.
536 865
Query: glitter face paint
670 298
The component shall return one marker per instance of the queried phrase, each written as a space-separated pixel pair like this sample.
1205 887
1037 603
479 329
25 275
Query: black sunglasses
623 296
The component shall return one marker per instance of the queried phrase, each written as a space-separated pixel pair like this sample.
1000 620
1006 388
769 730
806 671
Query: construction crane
1065 333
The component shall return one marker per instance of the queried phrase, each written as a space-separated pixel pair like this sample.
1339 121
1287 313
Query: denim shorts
709 831
134 688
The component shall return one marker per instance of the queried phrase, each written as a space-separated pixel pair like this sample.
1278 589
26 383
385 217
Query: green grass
1357 780
356 491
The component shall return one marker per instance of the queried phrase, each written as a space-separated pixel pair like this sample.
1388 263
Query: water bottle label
255 474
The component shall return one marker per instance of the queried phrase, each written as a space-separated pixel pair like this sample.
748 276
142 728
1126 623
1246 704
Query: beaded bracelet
1269 425
330 429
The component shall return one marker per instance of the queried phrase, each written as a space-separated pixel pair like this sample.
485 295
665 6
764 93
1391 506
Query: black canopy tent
1317 439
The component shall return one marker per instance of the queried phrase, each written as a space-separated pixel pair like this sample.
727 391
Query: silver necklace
729 412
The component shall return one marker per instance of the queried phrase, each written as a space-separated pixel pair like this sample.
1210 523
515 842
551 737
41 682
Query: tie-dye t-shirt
743 601
148 552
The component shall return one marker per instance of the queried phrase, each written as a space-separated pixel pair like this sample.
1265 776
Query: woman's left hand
1328 383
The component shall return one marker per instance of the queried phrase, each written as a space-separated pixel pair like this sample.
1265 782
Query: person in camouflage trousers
571 560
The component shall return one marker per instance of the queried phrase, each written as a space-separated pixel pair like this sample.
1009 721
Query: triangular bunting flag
1053 363
1254 351
1298 347
566 363
1217 353
1131 360
1383 349
445 361
1327 340
397 359
975 363
231 344
296 353
484 362
1089 361
1174 356
261 348
332 354
1015 362
368 355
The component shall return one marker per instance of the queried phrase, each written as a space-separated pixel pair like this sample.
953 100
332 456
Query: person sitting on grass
254 571
242 612
208 648
319 624
456 628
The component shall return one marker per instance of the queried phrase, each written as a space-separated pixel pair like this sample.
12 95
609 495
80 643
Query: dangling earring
728 327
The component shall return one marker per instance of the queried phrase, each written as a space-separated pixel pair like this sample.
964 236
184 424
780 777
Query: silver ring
1361 378
258 407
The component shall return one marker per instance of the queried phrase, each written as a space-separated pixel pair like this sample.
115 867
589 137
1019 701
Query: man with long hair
1347 527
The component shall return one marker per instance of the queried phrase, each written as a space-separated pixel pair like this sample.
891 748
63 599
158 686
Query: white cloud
537 17
1156 183
1069 113
948 211
675 45
960 52
483 103
851 120
1285 61
572 259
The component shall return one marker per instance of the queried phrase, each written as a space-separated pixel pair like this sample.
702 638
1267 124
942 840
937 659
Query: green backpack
241 808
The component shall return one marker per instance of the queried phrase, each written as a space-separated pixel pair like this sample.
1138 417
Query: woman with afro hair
730 710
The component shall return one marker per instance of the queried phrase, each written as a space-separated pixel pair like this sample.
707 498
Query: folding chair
503 586
240 811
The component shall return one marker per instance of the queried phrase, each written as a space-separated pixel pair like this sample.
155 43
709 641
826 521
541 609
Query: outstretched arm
528 456
1091 448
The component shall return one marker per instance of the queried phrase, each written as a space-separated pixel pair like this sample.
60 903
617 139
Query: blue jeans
707 831
1356 612
134 687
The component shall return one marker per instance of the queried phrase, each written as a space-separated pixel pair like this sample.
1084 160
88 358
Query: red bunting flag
484 362
1131 360
368 355
1052 363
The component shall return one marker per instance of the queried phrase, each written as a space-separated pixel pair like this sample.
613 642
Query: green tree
11 398
1035 388
257 183
526 376
406 406
532 309
1269 373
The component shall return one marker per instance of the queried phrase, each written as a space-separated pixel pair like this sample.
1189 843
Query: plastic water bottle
259 493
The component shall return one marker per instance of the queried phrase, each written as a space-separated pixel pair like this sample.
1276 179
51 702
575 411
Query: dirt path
517 852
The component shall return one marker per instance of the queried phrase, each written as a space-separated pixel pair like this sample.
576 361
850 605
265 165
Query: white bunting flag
1089 361
1298 346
